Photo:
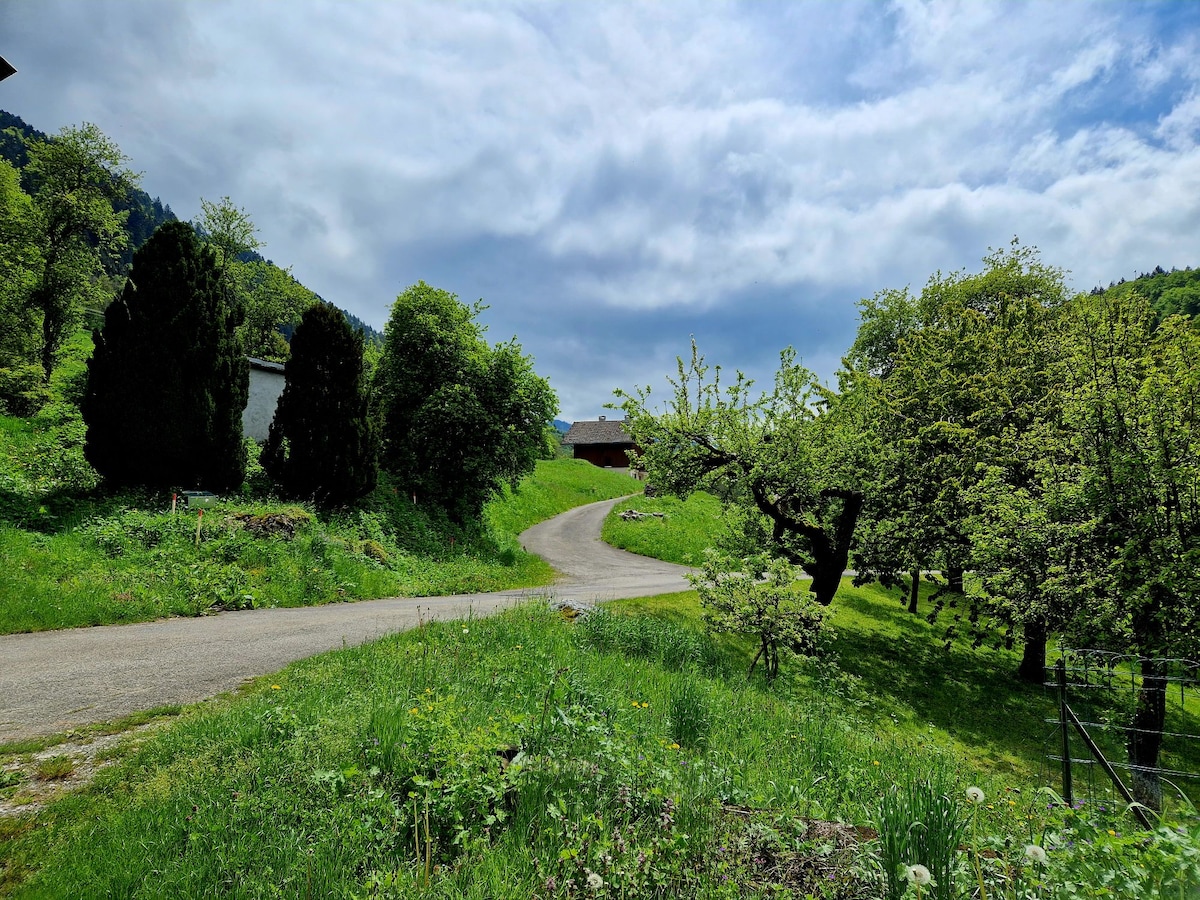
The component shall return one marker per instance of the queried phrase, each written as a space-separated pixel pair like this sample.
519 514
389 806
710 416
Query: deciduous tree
791 453
459 417
76 177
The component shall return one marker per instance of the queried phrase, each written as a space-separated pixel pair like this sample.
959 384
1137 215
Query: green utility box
199 499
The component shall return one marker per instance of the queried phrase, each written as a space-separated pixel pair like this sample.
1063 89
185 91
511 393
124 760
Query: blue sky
613 178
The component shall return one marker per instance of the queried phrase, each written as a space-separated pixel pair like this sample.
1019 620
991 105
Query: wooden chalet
603 443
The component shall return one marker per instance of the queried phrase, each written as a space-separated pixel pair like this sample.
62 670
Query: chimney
602 418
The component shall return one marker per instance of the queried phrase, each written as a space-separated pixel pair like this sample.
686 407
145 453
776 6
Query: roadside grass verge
574 482
76 557
681 535
509 757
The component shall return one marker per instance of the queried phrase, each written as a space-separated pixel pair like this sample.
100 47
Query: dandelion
918 875
276 687
1036 854
1111 833
975 795
594 881
874 762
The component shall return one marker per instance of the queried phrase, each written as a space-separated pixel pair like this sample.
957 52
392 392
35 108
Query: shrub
757 596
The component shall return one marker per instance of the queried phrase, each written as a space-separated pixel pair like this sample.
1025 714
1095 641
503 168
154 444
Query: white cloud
652 160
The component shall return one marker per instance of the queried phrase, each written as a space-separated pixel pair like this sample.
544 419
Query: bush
23 390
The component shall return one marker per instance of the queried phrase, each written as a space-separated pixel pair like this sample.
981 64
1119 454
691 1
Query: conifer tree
321 445
168 380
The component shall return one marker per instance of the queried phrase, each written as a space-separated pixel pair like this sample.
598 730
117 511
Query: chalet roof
602 431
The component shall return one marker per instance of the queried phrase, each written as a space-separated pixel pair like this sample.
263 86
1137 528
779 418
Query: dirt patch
28 781
798 857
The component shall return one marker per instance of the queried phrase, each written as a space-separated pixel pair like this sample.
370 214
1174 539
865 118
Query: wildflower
276 687
594 881
974 794
1111 833
874 762
674 747
1035 854
466 631
918 875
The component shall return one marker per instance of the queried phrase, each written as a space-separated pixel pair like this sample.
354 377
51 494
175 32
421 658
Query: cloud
614 177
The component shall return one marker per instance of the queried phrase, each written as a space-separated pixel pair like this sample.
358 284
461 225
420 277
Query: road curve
53 681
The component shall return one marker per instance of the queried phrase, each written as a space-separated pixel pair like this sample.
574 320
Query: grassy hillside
78 557
679 531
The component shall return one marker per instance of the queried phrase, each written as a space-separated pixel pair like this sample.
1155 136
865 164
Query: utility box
199 499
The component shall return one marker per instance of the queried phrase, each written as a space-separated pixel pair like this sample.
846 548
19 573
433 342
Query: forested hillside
1170 293
67 253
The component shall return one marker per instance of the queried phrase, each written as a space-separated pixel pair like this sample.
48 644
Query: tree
168 381
22 388
321 445
791 454
228 230
76 177
963 377
756 596
459 418
1125 487
269 296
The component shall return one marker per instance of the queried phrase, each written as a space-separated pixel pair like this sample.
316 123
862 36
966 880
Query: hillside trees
21 387
793 454
459 417
269 296
76 177
168 381
321 444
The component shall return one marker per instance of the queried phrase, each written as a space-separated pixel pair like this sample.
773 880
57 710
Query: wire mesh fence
1128 727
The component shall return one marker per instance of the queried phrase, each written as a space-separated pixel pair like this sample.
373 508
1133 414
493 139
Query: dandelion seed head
975 795
1036 854
917 874
594 881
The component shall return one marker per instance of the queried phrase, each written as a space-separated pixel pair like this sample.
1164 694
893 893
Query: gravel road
56 680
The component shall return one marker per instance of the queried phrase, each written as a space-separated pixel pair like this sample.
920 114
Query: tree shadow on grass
972 694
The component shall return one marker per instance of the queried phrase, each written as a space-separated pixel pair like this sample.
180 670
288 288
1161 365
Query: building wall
265 388
604 455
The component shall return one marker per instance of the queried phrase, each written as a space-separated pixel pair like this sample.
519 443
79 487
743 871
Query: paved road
56 680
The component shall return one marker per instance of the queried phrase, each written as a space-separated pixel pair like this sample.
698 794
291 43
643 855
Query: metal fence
1098 694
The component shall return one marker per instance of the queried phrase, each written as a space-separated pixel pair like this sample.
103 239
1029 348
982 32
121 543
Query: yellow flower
1112 833
276 687
413 711
674 746
874 762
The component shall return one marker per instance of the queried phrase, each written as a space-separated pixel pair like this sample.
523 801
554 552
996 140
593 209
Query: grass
680 536
900 669
525 753
76 557
309 789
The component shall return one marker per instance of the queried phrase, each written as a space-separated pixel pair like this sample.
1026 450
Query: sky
615 179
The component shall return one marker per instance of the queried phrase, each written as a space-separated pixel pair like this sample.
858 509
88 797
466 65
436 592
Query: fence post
1064 725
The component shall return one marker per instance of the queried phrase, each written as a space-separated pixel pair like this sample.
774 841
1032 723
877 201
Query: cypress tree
321 445
168 380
